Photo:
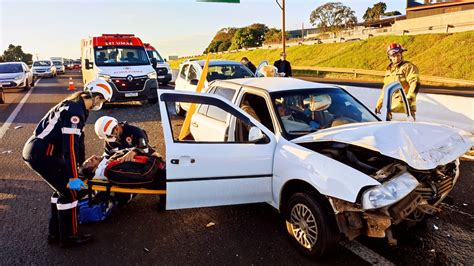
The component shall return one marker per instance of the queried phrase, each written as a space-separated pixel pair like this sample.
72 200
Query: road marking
7 124
365 253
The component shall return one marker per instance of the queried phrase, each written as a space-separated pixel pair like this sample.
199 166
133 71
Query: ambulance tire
161 205
153 100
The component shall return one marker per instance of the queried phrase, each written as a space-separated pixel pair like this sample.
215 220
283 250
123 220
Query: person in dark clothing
54 152
121 135
246 62
283 66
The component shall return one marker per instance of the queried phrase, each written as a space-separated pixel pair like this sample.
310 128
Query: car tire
178 109
2 97
310 224
27 85
153 100
32 84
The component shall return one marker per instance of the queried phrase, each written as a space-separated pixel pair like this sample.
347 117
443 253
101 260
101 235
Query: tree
375 12
273 36
221 40
15 54
332 17
259 33
243 38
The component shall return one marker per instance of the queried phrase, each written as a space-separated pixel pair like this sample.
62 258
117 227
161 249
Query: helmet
319 103
394 48
99 86
104 126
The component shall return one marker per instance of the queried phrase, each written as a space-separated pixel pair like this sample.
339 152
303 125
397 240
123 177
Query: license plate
5 83
161 77
131 94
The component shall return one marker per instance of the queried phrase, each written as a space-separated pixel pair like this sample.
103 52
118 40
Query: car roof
213 62
10 63
275 84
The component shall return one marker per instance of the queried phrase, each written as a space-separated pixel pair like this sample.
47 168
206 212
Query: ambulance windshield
120 56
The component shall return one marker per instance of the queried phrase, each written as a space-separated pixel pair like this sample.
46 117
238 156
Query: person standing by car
56 149
283 66
121 135
246 62
404 72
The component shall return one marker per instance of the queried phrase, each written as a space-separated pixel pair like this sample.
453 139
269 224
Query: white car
60 67
190 72
329 165
44 68
15 75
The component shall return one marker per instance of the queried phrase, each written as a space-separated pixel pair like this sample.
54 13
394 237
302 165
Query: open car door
395 105
214 172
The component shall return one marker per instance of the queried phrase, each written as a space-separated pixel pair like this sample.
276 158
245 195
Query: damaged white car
319 156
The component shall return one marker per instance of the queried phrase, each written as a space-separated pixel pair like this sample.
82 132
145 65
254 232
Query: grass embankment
443 55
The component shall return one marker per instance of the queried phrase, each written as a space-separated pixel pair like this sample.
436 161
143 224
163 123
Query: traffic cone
71 85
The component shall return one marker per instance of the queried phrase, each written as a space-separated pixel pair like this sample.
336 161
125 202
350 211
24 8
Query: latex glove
128 157
76 184
377 110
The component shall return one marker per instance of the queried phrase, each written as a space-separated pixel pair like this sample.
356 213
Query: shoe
75 241
53 239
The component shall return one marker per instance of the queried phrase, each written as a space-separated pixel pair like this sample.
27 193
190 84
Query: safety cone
71 85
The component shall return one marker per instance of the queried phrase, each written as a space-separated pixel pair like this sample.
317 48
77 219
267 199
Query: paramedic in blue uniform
56 149
120 136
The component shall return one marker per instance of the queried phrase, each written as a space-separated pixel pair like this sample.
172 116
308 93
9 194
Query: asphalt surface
139 234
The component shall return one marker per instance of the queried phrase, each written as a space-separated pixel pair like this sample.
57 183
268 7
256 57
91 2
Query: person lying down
127 168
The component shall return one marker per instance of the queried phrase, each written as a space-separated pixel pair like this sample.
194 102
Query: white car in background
315 153
16 75
190 72
44 68
60 67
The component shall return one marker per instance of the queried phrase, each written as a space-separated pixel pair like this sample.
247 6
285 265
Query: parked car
44 68
162 68
330 166
76 64
16 75
190 72
60 68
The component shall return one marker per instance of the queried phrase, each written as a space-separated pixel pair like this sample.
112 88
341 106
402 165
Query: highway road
139 234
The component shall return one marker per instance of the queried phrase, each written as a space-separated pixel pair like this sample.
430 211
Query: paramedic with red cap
404 72
54 152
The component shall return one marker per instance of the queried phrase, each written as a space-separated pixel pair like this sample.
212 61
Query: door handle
194 124
175 161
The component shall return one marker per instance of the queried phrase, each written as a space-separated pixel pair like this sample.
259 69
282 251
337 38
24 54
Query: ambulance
122 61
162 68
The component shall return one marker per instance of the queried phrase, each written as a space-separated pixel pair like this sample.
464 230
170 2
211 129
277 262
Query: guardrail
356 72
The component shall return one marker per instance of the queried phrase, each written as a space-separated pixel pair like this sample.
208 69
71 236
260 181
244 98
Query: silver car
44 68
15 75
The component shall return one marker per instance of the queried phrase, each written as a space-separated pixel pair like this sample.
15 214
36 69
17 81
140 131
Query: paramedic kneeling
55 150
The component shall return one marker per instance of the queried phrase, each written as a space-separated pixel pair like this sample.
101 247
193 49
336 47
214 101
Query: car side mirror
88 64
154 62
256 135
194 82
166 60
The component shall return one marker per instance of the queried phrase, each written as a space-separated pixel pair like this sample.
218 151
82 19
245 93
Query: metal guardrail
356 72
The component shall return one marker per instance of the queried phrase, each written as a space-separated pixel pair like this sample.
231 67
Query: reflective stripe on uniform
69 130
66 206
52 122
54 200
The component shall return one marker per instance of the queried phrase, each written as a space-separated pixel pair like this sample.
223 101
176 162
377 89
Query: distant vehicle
68 64
76 64
59 64
190 72
162 68
44 68
15 75
121 60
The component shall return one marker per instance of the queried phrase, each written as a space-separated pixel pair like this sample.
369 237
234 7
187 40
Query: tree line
15 54
329 17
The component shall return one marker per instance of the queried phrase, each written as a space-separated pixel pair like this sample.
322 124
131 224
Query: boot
68 225
53 233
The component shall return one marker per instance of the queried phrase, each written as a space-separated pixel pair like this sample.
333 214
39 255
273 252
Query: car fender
328 176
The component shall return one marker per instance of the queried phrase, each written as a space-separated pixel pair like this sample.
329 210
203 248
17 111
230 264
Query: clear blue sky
175 27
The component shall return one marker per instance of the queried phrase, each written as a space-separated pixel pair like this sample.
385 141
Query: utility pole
283 34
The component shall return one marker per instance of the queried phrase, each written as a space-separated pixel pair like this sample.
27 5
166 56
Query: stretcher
104 185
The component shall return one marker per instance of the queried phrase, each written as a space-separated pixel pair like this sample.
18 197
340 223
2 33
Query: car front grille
137 84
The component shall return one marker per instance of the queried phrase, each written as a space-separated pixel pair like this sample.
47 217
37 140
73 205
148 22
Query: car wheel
310 226
153 100
179 111
32 84
27 85
2 97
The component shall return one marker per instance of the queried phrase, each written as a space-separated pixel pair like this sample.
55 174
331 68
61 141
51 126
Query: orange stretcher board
103 185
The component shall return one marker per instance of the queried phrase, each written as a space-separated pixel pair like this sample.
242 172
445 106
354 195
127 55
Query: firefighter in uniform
56 149
408 76
121 135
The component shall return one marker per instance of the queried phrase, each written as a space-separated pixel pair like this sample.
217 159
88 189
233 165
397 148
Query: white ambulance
122 61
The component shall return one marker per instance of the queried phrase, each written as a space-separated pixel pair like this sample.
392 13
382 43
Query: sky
49 28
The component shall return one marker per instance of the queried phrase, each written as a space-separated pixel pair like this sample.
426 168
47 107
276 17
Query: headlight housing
105 77
152 75
389 192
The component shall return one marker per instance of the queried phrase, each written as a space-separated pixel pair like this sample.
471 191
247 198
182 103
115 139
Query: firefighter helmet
104 127
394 48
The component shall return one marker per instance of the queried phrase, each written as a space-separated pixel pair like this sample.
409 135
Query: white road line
365 253
7 124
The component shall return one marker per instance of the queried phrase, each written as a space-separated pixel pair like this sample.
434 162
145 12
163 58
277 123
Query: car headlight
105 77
389 192
19 76
152 75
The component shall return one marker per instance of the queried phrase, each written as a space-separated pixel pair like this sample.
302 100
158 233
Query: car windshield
77 62
308 110
234 71
42 63
57 63
10 68
155 54
121 56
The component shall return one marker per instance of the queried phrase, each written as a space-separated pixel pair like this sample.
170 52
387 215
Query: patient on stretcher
127 168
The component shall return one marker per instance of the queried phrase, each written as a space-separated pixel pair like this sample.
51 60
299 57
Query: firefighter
121 135
56 149
404 72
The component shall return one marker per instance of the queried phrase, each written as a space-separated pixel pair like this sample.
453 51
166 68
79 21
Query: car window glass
233 71
225 92
184 69
42 63
10 68
192 73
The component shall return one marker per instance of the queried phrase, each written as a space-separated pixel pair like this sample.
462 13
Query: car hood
41 68
8 75
124 71
422 146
